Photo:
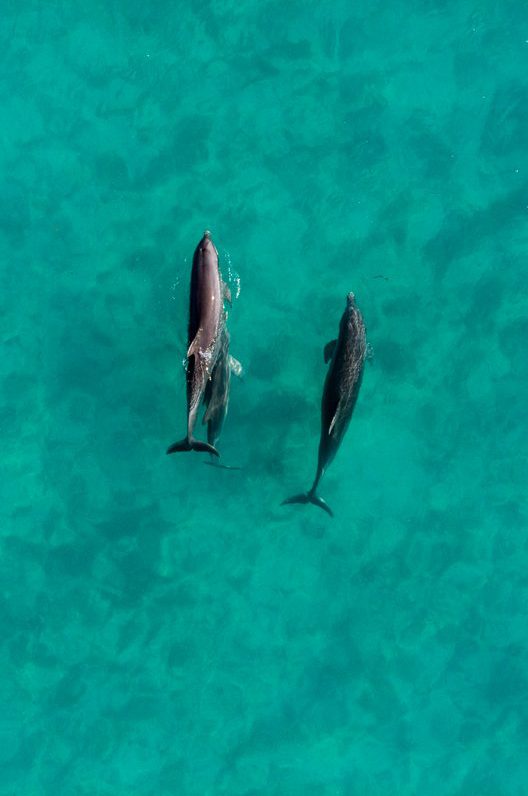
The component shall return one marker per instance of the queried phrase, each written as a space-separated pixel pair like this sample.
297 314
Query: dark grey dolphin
216 397
206 321
343 380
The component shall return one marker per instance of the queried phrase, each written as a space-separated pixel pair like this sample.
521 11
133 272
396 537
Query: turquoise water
168 628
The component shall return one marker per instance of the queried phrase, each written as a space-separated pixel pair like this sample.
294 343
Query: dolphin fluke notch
192 444
309 497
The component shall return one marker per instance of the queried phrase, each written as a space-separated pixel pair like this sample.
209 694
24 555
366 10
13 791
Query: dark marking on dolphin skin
341 388
206 322
216 398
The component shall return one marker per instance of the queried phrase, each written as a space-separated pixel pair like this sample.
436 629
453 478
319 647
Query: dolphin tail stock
192 444
309 497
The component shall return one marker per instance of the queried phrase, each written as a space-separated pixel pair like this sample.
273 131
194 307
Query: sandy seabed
169 628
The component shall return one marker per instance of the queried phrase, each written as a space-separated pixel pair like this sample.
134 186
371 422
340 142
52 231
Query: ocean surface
170 628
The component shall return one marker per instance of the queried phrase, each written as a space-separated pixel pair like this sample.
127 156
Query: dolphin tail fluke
204 447
309 497
191 444
177 447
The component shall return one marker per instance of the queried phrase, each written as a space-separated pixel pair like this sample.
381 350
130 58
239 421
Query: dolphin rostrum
216 397
206 321
347 357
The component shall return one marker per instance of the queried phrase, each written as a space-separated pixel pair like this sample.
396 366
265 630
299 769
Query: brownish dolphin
343 380
206 321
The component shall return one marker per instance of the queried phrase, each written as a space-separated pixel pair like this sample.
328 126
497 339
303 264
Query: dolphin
216 397
341 388
206 321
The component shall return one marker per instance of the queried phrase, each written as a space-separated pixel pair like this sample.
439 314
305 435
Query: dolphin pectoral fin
227 293
329 350
309 497
235 366
192 445
194 348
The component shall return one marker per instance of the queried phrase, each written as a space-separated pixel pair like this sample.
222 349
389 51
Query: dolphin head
350 309
206 244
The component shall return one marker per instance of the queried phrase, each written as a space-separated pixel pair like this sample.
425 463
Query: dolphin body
206 322
216 397
341 388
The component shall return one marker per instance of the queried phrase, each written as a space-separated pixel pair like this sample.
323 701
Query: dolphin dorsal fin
329 350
